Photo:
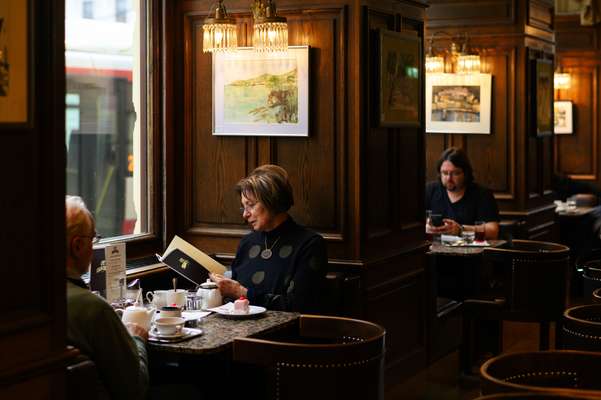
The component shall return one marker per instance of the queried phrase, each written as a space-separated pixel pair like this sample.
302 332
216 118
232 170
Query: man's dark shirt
477 204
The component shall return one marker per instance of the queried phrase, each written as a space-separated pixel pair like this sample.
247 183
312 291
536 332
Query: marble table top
219 332
440 249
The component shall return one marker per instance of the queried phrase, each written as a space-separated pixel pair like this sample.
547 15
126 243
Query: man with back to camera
118 350
460 200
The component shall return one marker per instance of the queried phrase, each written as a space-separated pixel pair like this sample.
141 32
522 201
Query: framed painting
542 97
14 61
400 78
458 103
261 93
562 116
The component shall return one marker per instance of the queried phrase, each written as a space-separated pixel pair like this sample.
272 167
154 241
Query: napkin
193 315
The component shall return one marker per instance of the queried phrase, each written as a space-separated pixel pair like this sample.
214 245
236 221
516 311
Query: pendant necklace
267 253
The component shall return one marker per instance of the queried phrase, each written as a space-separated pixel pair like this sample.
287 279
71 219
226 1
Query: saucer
154 332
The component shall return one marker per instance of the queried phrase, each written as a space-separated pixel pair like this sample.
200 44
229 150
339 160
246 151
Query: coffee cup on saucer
169 325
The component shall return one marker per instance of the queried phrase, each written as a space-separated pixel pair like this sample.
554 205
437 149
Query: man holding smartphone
456 201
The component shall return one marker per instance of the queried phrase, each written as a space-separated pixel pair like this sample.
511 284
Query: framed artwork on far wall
458 103
400 79
542 97
563 117
261 94
14 61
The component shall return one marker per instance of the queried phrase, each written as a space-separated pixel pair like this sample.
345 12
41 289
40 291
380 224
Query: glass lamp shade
468 64
219 35
562 81
434 65
270 34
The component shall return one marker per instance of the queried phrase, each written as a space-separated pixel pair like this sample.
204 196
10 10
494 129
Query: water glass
468 236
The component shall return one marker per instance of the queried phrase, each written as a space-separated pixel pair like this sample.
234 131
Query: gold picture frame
14 61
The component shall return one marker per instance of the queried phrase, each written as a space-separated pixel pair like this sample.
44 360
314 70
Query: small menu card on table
107 272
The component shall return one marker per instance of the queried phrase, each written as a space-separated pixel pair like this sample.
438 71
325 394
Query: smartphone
436 220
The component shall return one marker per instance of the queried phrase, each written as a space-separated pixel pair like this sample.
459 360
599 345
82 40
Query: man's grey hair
78 218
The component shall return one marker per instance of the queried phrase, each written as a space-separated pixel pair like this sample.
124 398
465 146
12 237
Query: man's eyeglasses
95 239
248 208
454 173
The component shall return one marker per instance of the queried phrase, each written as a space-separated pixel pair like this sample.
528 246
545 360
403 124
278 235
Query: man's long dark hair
459 159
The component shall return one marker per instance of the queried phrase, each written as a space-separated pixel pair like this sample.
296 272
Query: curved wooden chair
591 274
566 372
530 280
327 358
581 328
597 296
534 396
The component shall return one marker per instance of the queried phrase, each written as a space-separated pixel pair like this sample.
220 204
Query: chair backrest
535 279
82 379
581 328
328 358
534 396
597 296
566 372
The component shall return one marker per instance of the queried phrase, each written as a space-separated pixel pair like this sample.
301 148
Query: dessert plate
227 310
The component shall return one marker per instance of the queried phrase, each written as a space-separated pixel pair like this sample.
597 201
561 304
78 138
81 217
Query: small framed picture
563 117
458 103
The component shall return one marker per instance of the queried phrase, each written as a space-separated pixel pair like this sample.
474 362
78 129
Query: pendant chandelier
219 32
270 31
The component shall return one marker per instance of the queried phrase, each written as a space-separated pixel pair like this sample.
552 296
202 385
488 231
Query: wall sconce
460 61
562 80
270 31
219 32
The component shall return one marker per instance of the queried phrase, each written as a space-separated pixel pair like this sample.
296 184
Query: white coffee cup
169 325
177 297
158 298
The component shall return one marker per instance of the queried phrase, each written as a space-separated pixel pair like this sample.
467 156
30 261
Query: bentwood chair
326 358
535 396
566 372
528 283
581 328
82 379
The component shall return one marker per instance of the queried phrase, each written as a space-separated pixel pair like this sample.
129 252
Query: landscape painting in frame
261 94
13 61
400 65
458 103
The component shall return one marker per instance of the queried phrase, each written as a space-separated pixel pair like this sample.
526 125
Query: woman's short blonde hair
269 185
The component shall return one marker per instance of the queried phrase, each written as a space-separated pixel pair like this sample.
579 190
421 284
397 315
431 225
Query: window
121 10
106 127
87 10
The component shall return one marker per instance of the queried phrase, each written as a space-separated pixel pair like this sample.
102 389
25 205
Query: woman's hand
228 287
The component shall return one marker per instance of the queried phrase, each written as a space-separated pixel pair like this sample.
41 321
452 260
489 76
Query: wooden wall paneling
32 332
578 153
466 13
540 14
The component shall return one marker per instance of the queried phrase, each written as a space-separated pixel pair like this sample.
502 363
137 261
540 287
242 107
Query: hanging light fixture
562 80
270 32
219 32
467 63
434 64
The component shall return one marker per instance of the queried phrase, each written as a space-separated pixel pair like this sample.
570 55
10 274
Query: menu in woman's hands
190 262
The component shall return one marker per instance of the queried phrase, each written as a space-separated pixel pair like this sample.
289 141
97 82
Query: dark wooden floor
441 380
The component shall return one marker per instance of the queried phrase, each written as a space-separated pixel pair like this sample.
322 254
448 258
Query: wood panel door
32 210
